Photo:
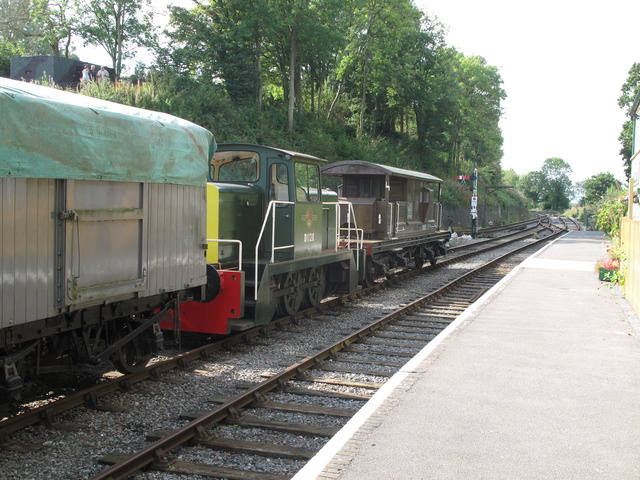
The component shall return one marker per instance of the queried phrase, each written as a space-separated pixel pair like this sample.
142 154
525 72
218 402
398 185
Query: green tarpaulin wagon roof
50 133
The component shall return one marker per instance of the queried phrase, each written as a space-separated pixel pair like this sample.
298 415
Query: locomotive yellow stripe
213 220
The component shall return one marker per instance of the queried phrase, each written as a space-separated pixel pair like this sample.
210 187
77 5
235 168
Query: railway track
359 363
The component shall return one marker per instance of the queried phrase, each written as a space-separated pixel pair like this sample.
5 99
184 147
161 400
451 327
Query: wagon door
101 231
398 209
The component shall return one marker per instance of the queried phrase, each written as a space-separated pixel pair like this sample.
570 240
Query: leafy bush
610 211
455 194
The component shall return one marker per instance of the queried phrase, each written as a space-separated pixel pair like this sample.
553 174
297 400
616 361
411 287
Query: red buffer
213 317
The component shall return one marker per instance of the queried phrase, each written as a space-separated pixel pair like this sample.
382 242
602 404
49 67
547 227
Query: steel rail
90 397
511 226
156 452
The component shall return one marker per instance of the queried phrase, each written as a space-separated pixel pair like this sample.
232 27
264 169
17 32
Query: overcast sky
563 63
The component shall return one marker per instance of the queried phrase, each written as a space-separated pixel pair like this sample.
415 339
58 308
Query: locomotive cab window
234 166
279 188
307 182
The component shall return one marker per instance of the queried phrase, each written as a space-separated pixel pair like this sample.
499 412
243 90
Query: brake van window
235 166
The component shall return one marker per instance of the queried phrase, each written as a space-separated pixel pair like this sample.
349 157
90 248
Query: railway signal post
474 199
474 204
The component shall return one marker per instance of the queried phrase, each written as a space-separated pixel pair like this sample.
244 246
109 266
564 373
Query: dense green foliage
35 27
355 79
596 187
530 184
549 188
630 91
371 80
371 75
556 185
610 211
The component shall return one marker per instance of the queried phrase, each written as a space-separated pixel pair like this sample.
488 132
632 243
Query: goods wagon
102 229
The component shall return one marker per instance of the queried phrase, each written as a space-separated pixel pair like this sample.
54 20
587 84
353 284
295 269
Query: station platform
539 379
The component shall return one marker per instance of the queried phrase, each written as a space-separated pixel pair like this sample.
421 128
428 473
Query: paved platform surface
540 379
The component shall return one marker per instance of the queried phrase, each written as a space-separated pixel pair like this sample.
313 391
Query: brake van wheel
290 302
130 358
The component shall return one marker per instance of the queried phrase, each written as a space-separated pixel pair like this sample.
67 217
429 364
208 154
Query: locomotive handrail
358 231
351 214
225 240
270 208
398 230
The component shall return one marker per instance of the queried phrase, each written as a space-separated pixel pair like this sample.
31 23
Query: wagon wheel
131 357
315 293
430 255
290 302
419 258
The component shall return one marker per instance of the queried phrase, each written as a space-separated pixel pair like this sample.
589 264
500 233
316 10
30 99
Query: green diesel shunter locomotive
273 240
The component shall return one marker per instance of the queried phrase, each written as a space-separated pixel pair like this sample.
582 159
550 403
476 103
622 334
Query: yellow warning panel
213 221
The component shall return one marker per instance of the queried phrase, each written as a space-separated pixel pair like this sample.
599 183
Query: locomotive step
239 324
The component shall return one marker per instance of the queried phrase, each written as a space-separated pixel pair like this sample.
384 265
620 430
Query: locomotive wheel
291 301
130 358
315 293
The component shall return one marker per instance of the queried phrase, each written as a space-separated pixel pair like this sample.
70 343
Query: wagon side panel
27 251
177 237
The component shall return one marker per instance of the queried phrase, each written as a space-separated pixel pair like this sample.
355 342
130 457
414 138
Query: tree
556 186
222 40
303 45
374 78
8 50
476 135
630 91
322 39
118 26
425 89
596 187
530 185
510 177
16 25
56 22
380 50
